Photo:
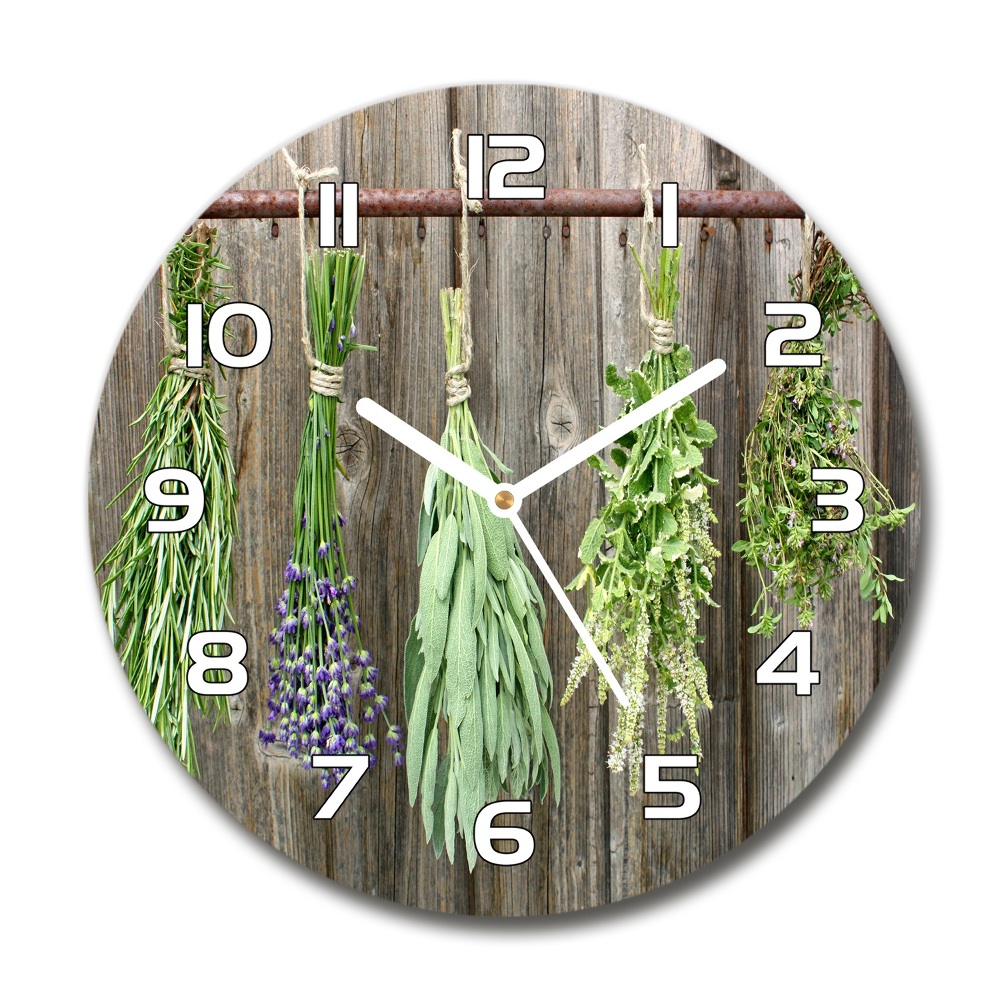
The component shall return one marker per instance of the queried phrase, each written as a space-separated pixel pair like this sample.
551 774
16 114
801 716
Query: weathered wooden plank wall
549 312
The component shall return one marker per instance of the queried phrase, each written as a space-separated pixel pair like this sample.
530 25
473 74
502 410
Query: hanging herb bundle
648 556
804 423
163 587
323 697
474 657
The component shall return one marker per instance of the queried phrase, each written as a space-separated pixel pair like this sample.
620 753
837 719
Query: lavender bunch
323 694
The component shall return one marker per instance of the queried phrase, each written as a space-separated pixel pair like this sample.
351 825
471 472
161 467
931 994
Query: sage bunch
477 683
161 588
648 555
803 423
322 688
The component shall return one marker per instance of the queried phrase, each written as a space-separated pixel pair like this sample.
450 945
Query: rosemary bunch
804 423
474 657
161 588
648 556
322 690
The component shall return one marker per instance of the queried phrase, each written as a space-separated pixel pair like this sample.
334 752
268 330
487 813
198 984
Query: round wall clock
513 519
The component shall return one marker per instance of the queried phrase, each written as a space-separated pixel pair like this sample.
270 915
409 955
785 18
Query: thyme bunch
477 683
161 588
648 556
322 689
803 423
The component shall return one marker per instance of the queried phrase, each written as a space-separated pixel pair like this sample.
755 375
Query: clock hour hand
611 433
426 448
550 579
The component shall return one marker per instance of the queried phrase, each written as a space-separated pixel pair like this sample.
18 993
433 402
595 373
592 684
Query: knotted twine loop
326 379
661 330
456 384
175 349
323 379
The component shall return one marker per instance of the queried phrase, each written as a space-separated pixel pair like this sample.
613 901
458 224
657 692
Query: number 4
803 677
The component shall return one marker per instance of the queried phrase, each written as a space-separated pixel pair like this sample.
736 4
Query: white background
119 873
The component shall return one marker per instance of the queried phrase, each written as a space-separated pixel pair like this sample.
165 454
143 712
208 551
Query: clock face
557 670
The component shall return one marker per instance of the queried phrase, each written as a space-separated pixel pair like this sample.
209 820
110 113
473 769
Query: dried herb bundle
162 588
474 658
323 697
648 556
804 423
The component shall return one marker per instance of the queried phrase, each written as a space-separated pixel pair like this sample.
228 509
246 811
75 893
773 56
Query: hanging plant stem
648 556
476 678
804 423
323 697
162 588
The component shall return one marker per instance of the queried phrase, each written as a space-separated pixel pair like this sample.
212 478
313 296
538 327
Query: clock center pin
504 499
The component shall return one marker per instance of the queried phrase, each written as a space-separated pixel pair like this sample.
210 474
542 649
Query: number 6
485 833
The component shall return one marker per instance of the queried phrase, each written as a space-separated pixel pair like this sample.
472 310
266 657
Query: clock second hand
611 433
554 585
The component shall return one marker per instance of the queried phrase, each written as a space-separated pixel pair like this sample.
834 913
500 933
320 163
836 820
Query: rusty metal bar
569 202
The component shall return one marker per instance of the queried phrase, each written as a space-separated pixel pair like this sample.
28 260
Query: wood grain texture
550 308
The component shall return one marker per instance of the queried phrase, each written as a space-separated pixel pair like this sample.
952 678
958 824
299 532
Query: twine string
456 384
661 330
323 379
326 379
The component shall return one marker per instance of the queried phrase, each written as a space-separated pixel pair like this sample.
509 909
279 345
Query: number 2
774 357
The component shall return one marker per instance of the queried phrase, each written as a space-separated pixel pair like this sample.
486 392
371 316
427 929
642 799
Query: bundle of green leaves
804 423
161 588
477 683
322 689
648 556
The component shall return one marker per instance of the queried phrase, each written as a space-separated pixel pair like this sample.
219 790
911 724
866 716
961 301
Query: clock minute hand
596 442
550 579
426 448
